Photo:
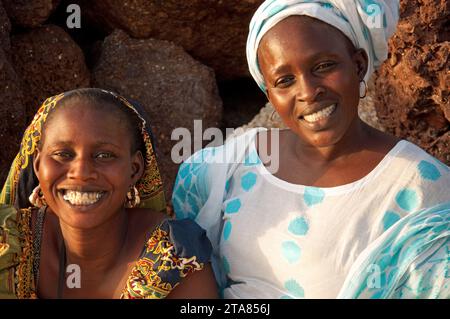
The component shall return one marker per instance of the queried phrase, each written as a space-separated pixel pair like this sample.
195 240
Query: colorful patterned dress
175 249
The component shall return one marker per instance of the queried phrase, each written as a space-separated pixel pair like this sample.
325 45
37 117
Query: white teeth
82 198
320 114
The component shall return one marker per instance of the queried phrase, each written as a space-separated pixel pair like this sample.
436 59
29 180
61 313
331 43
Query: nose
82 169
308 89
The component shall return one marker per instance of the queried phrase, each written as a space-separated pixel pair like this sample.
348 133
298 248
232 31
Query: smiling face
85 165
312 74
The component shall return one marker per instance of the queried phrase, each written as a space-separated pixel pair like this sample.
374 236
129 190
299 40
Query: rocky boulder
412 99
213 32
173 88
12 115
29 13
5 29
49 62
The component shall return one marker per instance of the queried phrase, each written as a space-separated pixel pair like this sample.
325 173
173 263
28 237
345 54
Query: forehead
86 122
304 35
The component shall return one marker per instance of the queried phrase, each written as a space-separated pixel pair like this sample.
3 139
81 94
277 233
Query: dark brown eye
62 155
325 66
284 81
104 155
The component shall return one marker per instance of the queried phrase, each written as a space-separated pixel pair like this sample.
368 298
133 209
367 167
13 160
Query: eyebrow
70 144
97 144
277 69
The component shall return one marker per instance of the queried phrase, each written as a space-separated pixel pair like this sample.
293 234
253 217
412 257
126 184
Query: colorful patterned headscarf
22 180
367 23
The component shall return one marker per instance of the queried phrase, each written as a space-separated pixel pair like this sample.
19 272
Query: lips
79 197
316 114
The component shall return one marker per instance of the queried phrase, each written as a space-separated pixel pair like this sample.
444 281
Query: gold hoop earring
364 90
133 198
37 197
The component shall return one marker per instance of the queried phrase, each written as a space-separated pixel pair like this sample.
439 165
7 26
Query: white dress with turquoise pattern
379 237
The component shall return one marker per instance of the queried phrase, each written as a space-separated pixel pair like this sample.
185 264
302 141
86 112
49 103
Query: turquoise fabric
410 260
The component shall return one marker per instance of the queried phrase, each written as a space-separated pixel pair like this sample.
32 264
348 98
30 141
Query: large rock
49 62
214 32
12 115
29 13
173 88
413 85
5 29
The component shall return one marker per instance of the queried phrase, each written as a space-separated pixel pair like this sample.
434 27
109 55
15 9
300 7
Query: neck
355 139
96 250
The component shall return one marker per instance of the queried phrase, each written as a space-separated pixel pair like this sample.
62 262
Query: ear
137 166
36 161
361 62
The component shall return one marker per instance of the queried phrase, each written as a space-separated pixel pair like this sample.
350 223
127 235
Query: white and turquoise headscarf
367 23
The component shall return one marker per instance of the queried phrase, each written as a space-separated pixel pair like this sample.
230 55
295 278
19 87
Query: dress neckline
334 190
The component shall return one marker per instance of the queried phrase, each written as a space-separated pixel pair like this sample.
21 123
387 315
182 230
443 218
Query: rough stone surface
5 29
213 32
173 88
412 99
49 62
29 13
12 113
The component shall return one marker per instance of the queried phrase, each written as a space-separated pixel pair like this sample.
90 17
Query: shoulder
15 250
7 214
10 230
426 165
15 222
420 178
174 250
187 238
183 238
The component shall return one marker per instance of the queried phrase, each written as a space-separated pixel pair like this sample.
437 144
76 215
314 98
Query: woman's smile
86 198
319 118
82 199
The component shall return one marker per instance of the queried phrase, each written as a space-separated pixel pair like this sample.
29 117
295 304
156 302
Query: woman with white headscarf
347 211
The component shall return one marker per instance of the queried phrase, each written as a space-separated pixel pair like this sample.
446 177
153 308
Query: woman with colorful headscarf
329 207
82 210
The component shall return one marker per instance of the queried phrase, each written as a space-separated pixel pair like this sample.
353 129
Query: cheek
282 103
346 84
119 175
120 180
49 173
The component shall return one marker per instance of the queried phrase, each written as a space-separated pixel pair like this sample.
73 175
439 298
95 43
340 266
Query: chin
79 221
325 139
318 139
84 219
